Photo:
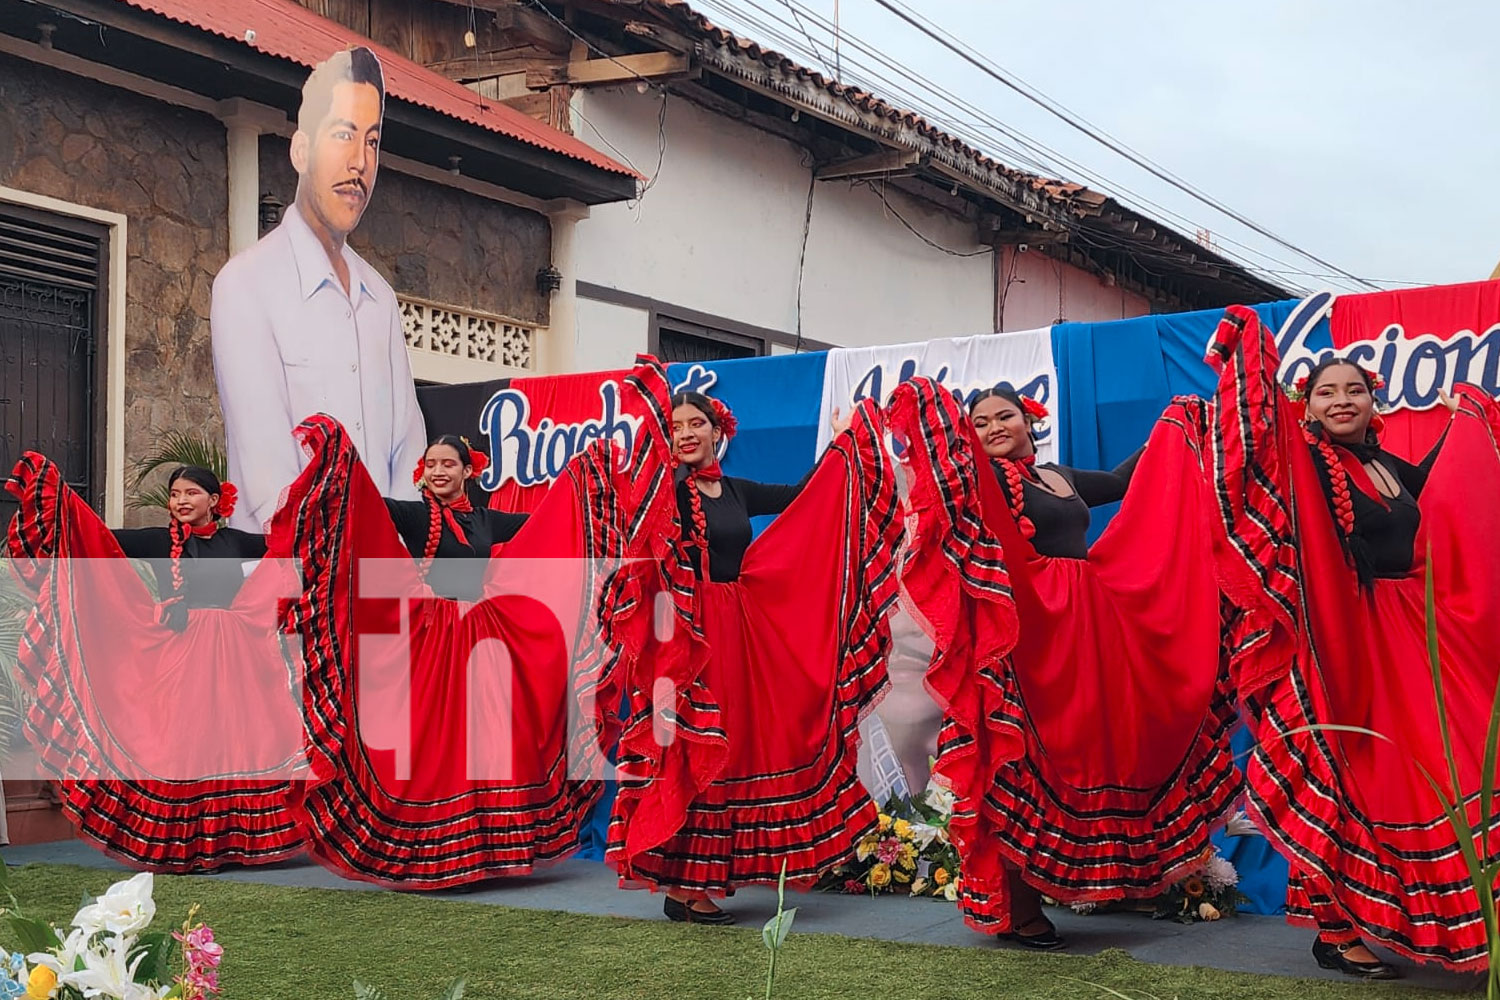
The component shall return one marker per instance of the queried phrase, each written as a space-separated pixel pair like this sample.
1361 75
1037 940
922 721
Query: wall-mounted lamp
270 212
548 280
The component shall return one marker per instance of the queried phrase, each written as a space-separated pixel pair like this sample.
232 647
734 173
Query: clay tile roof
290 31
1064 196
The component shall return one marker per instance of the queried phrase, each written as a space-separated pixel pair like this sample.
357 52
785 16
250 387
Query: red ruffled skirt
1370 848
456 741
740 753
1087 710
173 751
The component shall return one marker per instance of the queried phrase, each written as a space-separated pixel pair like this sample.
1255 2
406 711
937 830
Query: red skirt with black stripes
173 751
455 741
1086 703
739 754
1371 849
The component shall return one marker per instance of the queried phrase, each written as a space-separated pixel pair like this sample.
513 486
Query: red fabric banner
1421 340
535 425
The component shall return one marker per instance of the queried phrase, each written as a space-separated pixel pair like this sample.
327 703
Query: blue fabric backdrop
1115 378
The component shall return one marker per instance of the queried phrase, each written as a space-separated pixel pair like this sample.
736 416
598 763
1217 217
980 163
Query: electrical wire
992 71
968 134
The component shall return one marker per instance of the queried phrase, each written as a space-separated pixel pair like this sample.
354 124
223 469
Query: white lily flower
67 953
923 834
939 798
127 908
106 971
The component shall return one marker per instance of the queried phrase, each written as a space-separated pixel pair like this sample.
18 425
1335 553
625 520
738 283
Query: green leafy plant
775 932
176 448
15 608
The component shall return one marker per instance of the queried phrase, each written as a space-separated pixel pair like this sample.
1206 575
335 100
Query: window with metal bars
52 271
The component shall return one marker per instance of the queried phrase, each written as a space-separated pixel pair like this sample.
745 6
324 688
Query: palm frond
15 607
182 448
175 448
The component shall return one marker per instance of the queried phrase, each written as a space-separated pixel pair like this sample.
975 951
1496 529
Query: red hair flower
478 460
1034 409
228 497
419 471
727 423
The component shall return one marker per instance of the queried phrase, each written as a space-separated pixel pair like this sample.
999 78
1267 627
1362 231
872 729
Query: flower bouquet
910 851
884 861
1208 891
108 952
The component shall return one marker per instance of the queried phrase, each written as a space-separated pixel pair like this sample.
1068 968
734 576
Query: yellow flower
940 875
880 876
909 855
885 823
902 828
919 886
901 874
866 847
41 983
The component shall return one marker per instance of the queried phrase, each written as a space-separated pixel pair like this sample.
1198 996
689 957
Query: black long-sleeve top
1062 523
727 517
1384 538
211 567
457 571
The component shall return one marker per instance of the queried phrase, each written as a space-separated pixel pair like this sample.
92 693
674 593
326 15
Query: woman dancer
1332 544
1086 717
457 701
445 525
169 721
777 653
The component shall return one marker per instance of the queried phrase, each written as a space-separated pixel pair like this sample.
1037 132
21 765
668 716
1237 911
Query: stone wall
164 168
440 243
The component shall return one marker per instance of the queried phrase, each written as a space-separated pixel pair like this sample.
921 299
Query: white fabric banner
967 365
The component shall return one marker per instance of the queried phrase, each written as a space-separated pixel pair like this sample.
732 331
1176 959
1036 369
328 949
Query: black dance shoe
1047 940
1332 956
683 913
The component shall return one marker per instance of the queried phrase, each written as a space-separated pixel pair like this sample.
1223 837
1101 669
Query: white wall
609 336
720 231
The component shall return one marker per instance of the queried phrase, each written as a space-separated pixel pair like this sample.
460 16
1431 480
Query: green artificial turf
311 943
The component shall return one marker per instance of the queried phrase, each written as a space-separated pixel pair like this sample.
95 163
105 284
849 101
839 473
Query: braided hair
1333 473
434 506
177 531
1014 471
699 530
1015 478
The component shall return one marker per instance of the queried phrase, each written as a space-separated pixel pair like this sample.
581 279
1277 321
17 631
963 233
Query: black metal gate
51 284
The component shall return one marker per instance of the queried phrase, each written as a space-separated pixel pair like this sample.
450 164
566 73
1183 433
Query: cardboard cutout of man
302 325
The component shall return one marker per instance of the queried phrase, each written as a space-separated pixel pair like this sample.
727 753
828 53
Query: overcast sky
1364 131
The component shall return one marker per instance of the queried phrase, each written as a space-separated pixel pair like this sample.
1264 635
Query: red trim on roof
290 31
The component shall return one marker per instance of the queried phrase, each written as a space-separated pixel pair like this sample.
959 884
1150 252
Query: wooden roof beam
878 164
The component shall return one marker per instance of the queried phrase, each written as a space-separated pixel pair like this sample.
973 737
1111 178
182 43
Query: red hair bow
228 497
727 423
419 471
1034 409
